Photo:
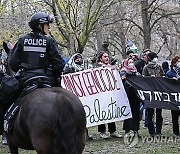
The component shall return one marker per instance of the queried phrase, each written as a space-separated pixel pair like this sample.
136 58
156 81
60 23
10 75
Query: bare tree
76 19
152 12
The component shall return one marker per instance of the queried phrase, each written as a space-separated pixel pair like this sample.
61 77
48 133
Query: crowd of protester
147 64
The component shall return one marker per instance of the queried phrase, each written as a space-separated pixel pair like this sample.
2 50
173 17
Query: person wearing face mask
131 124
153 69
140 63
128 68
75 64
174 73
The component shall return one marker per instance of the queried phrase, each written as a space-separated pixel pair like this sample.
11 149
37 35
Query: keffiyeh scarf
177 70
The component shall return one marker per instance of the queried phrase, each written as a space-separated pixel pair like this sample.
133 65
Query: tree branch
141 29
163 16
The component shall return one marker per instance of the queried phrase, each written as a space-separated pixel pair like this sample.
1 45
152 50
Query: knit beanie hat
151 56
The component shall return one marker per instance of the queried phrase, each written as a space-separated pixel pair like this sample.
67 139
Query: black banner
157 92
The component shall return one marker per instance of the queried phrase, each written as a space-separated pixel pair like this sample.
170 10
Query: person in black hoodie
141 62
165 66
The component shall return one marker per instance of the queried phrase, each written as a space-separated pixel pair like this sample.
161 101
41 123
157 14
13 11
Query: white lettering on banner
102 94
159 96
150 95
167 97
175 96
141 95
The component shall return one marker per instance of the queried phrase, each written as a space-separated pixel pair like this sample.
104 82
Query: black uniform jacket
37 51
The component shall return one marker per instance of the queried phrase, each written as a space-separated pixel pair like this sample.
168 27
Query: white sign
102 94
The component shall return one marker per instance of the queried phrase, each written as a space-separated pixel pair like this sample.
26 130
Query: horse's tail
65 130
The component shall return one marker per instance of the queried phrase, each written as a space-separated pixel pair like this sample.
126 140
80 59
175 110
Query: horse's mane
65 116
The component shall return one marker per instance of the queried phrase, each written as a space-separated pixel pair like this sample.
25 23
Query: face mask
178 64
155 60
79 62
131 65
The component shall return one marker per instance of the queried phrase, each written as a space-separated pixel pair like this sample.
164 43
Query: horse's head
4 58
7 47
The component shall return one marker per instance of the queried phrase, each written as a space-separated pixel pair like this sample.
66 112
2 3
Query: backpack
8 89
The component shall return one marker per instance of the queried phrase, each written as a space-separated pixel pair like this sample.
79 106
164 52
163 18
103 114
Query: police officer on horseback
36 54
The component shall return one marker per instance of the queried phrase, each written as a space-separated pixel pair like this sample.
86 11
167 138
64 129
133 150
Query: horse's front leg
13 148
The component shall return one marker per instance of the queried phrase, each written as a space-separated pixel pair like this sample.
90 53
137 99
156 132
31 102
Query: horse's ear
5 46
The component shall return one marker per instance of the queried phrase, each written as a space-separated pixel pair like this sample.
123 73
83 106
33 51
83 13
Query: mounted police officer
37 54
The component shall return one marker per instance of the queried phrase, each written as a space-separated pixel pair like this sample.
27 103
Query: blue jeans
141 114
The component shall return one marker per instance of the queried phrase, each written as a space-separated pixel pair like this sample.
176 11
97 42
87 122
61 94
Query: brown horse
50 121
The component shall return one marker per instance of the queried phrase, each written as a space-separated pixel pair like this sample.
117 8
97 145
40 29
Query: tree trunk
71 46
122 31
146 24
99 37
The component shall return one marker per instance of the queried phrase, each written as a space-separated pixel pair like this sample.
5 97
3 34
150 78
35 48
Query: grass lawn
117 146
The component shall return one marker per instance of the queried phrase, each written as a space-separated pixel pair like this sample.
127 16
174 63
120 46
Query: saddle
29 86
35 83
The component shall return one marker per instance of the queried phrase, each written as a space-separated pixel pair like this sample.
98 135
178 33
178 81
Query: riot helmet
40 18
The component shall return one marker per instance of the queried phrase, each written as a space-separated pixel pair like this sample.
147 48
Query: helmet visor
51 18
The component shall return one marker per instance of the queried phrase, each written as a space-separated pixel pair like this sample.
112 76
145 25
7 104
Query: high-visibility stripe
34 49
